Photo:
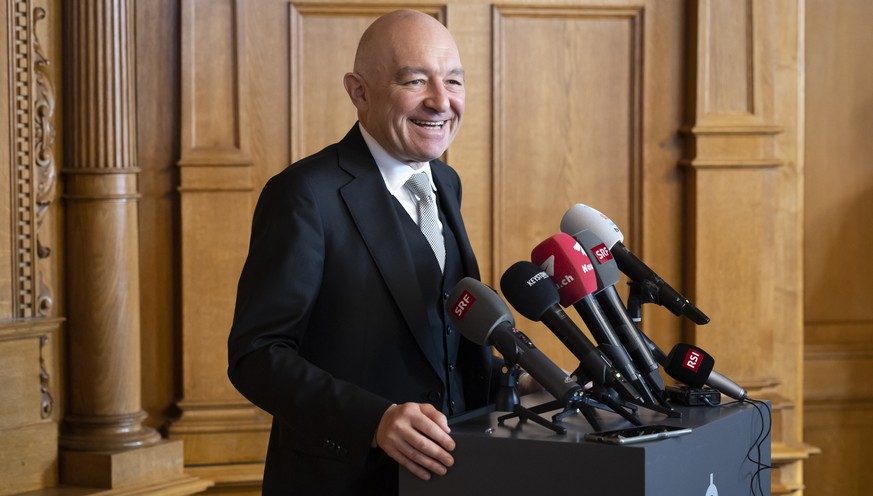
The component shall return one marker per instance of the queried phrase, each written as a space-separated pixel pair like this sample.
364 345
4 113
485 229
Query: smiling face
408 86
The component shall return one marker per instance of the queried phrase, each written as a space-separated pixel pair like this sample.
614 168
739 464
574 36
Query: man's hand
416 435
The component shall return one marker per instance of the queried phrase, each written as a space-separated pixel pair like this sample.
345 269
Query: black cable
757 445
759 441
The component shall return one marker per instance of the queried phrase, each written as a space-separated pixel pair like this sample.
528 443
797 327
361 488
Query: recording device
693 366
696 379
640 434
582 217
482 317
607 277
533 294
566 262
683 394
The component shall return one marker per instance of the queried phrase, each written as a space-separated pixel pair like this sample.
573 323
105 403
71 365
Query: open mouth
429 124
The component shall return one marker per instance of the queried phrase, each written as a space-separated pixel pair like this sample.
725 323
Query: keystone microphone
533 294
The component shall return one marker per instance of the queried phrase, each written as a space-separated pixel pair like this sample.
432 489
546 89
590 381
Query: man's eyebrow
409 70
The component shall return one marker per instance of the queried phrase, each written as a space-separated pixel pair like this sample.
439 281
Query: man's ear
356 89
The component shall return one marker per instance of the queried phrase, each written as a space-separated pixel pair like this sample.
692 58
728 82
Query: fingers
416 436
442 422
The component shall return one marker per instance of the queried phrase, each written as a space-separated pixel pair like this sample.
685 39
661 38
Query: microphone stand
606 399
507 401
582 402
638 295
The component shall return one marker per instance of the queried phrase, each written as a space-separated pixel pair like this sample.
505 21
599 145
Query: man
340 330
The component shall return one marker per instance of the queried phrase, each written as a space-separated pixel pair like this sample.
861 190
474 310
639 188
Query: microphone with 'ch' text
532 292
482 317
607 296
581 217
572 272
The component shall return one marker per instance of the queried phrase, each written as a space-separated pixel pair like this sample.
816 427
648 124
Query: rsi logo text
692 360
463 304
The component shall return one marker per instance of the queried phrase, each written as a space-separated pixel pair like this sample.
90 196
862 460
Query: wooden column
103 410
745 207
104 442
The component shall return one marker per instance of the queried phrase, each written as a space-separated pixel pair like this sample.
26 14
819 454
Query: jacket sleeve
279 284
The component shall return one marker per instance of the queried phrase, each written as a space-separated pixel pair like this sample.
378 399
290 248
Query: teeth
435 125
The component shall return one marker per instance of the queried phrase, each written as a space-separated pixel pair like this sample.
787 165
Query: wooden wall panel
579 143
732 161
838 278
745 207
735 284
157 60
19 400
215 206
323 40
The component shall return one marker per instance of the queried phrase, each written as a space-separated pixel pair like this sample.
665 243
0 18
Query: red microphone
565 261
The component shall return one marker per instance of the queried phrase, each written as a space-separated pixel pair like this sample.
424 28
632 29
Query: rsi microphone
693 366
678 366
610 301
566 262
533 294
582 217
482 317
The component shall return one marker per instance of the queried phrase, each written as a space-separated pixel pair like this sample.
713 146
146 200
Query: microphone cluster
580 267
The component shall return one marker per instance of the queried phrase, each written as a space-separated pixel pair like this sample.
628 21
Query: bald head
396 30
408 85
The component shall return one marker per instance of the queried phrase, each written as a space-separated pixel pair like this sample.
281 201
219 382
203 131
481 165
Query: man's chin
432 152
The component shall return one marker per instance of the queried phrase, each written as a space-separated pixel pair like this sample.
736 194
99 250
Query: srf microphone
566 262
607 277
532 292
482 317
582 217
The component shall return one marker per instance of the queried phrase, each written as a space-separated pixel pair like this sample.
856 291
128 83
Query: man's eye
415 82
455 82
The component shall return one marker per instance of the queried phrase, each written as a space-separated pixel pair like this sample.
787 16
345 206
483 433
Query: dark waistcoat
435 287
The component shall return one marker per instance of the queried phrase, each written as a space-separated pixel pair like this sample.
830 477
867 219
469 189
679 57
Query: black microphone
693 366
532 292
607 277
677 365
582 217
573 273
482 317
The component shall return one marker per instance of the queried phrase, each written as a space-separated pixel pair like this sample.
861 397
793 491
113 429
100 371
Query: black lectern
524 458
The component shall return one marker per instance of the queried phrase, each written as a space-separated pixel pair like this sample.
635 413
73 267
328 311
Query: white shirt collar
394 172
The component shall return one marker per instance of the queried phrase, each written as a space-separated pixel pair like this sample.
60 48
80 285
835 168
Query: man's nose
437 98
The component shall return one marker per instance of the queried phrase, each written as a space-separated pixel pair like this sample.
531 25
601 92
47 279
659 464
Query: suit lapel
374 214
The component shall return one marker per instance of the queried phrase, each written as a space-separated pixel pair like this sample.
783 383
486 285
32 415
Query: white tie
428 222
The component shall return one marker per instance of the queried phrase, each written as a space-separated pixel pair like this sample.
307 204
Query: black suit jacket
329 327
